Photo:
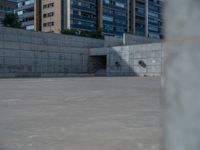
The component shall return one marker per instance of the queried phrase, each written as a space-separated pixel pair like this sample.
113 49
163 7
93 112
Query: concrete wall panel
24 53
1 61
124 60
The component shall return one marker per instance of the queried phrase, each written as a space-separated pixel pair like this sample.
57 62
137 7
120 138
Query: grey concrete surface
15 36
129 57
29 54
80 114
130 39
182 84
34 54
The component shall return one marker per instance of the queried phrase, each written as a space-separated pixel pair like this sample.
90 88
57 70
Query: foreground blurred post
182 77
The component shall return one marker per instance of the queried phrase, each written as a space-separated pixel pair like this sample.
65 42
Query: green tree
93 34
69 31
97 34
11 20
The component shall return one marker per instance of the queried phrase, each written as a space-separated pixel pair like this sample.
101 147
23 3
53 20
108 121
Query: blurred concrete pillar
182 77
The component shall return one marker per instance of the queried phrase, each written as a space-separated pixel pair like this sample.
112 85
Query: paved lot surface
80 114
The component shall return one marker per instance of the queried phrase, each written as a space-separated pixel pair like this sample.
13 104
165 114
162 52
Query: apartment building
51 14
146 18
155 21
57 15
114 17
26 15
88 15
83 14
6 6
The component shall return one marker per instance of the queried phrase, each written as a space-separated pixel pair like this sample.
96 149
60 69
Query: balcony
84 27
26 15
140 21
86 9
84 18
114 24
109 32
92 1
27 23
140 6
140 14
142 1
115 16
115 7
26 7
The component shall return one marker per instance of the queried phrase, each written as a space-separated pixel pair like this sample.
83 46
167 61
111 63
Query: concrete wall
25 53
124 60
130 39
50 39
110 41
127 39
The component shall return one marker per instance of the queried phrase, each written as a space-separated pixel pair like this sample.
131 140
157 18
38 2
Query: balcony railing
78 26
27 23
26 7
90 10
26 15
84 18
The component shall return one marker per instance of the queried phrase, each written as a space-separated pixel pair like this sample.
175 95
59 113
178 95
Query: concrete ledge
67 75
9 75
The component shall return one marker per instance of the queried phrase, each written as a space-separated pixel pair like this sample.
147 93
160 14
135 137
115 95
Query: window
44 15
20 12
29 2
107 1
79 3
31 27
48 5
50 14
20 4
44 24
121 5
108 18
108 27
48 24
83 23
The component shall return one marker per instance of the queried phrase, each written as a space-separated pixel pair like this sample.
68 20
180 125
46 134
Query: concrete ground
80 114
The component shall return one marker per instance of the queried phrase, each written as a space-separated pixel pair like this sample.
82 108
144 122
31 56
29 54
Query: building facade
146 18
88 15
113 17
6 6
83 14
26 15
51 14
57 15
155 21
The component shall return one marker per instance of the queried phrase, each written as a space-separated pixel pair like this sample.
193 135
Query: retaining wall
25 53
110 41
124 60
130 39
28 54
